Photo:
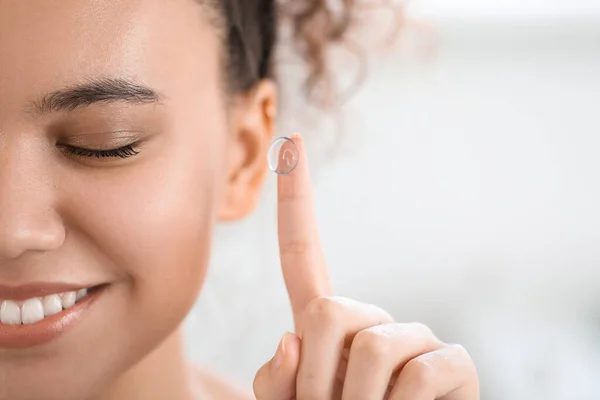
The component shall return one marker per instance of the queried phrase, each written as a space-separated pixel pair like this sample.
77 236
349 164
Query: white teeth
52 305
10 313
35 309
32 311
68 299
81 294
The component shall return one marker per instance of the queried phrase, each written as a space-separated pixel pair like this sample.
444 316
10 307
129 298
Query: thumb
276 380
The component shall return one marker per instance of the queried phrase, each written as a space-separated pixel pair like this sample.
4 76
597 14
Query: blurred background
459 187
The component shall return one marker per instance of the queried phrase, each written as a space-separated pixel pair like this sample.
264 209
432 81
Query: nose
34 230
28 219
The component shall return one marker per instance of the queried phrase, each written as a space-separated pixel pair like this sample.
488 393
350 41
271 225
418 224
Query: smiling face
118 153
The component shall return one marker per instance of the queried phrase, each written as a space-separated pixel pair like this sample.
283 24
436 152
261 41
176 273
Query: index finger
302 260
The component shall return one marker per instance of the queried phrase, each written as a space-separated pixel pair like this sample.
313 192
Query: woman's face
100 75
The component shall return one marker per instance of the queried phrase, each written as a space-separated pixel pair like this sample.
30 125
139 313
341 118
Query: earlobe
253 127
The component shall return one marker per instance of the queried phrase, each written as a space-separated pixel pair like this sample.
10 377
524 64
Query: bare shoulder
217 388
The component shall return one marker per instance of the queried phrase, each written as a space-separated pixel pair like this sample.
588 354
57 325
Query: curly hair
250 31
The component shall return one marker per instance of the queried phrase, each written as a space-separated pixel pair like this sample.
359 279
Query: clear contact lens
283 156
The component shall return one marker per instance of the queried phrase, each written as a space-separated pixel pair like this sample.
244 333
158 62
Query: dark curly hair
250 32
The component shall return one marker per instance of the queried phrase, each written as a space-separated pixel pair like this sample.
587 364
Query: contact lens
283 156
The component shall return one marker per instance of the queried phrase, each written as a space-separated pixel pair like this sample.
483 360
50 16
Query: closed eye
121 152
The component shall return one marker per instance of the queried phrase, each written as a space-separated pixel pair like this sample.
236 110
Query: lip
48 329
32 290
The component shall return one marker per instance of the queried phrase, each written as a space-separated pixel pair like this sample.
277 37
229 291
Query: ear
252 128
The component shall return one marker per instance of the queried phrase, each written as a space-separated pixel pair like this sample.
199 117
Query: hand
344 349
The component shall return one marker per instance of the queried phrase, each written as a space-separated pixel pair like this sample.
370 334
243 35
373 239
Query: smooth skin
343 348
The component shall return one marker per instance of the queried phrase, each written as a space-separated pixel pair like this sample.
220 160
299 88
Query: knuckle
407 335
323 311
372 345
462 357
424 333
421 329
421 373
291 195
293 248
460 351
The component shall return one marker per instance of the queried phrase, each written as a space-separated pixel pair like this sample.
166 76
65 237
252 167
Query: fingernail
280 354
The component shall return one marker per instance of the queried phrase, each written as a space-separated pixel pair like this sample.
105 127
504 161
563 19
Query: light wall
499 8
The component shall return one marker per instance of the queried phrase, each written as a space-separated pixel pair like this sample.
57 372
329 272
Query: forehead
45 44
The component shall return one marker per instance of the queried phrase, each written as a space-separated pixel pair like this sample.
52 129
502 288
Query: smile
36 314
36 309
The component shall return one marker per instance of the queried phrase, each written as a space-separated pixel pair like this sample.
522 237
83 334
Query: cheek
152 221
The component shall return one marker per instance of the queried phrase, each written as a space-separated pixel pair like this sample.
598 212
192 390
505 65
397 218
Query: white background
496 8
464 193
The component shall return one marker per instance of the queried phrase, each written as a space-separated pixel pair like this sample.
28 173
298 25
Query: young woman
128 128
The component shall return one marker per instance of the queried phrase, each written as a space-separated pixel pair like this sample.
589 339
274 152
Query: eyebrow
106 90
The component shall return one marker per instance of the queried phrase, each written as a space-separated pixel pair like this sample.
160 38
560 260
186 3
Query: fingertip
296 136
277 379
288 353
294 344
298 140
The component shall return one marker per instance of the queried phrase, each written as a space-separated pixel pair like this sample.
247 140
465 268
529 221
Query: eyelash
122 152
